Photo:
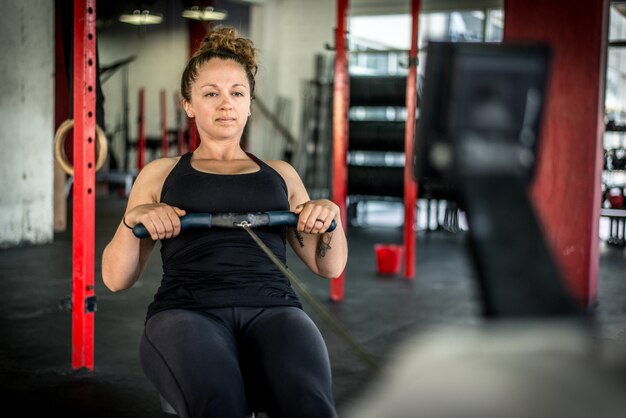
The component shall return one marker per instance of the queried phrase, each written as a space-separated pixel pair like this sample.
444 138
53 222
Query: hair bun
226 39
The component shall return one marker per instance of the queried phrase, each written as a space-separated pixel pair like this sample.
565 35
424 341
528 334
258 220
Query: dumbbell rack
375 154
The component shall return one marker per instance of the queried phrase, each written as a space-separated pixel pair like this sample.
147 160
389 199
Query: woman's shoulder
283 167
157 170
147 186
160 165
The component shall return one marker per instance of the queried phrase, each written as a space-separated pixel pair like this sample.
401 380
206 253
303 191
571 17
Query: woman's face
220 100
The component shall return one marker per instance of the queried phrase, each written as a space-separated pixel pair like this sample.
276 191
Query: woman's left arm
325 253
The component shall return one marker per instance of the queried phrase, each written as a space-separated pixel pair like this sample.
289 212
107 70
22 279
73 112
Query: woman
225 317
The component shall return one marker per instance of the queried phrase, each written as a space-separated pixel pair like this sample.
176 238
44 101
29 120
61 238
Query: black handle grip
286 218
192 220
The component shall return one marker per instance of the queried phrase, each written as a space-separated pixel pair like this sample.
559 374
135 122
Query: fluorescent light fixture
204 13
141 17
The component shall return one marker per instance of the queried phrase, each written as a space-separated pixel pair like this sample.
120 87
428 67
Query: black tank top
223 267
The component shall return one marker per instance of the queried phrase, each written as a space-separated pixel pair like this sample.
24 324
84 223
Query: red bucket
388 258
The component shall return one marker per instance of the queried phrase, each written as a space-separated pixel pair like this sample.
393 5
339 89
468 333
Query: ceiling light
204 13
141 17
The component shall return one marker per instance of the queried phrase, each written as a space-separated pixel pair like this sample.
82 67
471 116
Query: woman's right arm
124 258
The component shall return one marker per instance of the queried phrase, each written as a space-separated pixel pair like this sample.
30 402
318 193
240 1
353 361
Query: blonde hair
222 42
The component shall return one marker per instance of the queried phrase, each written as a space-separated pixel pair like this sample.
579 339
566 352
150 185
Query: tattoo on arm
299 237
324 244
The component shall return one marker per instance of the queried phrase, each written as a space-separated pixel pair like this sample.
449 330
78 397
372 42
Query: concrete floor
380 311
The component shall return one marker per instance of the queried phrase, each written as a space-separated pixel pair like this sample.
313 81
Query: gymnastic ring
59 142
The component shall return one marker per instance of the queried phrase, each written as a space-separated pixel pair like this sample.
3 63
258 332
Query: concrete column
26 122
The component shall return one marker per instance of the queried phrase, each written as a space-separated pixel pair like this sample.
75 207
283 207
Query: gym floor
379 311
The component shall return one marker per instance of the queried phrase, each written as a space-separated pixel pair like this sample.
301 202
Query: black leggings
230 361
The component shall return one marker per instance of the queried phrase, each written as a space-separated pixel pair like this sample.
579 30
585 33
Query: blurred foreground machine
536 354
478 133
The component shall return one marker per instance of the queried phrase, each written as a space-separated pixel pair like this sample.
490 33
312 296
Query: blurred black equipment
478 132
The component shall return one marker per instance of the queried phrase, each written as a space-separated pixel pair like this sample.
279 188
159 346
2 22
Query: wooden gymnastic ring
59 142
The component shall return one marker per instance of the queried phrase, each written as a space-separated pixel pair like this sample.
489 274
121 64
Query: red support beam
180 114
410 186
164 136
141 130
83 234
341 101
194 136
567 188
197 30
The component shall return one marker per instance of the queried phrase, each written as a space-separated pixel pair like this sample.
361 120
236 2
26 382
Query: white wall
288 33
26 118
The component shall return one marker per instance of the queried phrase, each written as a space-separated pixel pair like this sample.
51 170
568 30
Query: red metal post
83 234
164 136
341 102
180 114
410 186
141 130
194 136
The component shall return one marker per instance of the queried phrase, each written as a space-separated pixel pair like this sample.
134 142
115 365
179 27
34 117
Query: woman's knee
301 381
193 363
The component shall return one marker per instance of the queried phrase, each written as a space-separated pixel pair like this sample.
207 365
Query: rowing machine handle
203 220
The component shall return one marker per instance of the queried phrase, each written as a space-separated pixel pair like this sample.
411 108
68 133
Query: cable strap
312 300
